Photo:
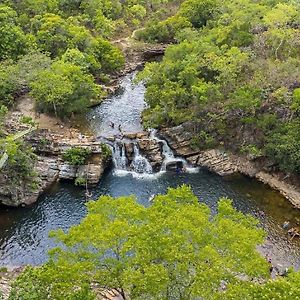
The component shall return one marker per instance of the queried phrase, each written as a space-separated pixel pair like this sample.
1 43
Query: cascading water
119 156
169 156
140 163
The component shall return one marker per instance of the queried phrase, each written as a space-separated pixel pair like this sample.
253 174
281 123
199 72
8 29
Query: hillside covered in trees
60 53
233 72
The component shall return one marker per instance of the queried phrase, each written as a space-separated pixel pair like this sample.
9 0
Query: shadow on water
24 231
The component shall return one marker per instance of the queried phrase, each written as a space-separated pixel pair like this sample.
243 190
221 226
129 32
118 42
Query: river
24 231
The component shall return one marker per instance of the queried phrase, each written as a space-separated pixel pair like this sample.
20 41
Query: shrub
77 156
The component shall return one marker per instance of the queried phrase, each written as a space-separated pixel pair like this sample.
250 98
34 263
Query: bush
203 141
77 156
106 152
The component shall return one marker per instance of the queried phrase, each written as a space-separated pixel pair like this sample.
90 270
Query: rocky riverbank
55 137
50 165
224 163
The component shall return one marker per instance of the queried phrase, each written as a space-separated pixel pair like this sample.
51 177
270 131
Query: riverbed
24 231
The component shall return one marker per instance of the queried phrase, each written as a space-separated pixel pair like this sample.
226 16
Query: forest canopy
174 249
67 48
234 72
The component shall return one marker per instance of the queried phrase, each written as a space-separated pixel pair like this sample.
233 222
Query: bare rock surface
50 166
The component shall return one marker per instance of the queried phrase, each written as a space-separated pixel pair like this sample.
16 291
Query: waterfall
119 156
169 156
137 164
140 163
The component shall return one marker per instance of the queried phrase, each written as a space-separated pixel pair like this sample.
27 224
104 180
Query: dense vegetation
16 156
60 51
234 73
174 249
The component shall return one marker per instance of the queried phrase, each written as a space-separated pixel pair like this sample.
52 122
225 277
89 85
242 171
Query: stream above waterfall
24 231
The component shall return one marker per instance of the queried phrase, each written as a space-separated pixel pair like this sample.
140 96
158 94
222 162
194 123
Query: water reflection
24 231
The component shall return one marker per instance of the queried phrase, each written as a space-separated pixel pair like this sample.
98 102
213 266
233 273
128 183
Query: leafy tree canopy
174 249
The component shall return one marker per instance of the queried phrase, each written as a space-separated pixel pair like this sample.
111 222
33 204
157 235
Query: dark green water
24 231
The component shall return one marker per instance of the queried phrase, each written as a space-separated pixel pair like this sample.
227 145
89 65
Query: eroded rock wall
50 166
224 162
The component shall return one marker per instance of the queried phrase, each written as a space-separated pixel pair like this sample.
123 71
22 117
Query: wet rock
131 136
129 150
174 165
142 135
152 150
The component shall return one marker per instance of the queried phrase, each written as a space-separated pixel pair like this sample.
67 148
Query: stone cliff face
224 162
51 167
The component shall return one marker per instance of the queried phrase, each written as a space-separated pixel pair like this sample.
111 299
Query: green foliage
239 61
283 144
80 181
296 100
109 57
199 12
252 150
173 249
3 270
64 89
203 141
77 156
282 288
20 164
8 84
13 41
164 31
106 152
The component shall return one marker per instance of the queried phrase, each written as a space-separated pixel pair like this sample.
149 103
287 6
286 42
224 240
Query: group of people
112 125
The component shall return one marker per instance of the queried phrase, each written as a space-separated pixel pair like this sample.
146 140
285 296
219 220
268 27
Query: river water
24 231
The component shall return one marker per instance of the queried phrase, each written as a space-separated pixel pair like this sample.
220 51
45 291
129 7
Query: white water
169 156
119 156
140 163
140 167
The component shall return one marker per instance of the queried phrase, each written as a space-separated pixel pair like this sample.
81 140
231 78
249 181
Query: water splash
140 163
169 156
119 156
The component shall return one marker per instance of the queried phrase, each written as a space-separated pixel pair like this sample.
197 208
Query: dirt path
26 107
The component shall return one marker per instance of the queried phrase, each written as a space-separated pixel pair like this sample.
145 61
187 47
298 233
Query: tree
109 56
55 34
64 89
13 41
173 249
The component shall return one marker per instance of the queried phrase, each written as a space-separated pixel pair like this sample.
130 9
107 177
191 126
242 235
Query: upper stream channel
24 231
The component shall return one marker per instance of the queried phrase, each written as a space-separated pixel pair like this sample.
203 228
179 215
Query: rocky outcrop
148 147
225 163
50 166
